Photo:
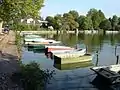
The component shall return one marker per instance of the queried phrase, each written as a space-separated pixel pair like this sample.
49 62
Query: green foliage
17 9
85 23
91 12
117 27
32 77
68 20
96 16
101 15
57 21
18 40
50 20
119 21
75 14
27 27
95 19
106 25
114 22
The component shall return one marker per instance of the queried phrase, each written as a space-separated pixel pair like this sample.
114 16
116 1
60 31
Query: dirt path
7 45
8 59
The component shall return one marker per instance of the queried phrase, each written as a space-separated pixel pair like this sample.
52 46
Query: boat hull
54 48
36 46
36 43
108 77
71 53
68 60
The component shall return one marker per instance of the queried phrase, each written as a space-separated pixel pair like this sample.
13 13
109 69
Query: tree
95 20
89 21
119 21
85 23
106 25
96 16
114 22
17 9
110 20
50 20
101 15
68 20
117 27
91 12
74 14
57 21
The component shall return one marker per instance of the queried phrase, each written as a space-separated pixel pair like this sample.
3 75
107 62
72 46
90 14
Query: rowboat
50 48
37 46
36 39
36 43
108 77
70 53
113 68
70 66
32 36
72 59
41 41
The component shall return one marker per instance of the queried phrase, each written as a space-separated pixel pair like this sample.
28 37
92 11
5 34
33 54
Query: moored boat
70 53
31 39
72 59
113 68
40 41
36 43
37 46
32 36
108 77
54 48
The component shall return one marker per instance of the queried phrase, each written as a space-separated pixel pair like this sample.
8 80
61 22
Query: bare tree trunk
1 23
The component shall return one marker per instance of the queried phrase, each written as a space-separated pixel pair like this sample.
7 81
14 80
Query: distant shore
54 32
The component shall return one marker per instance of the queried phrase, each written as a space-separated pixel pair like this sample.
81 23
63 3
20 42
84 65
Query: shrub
32 77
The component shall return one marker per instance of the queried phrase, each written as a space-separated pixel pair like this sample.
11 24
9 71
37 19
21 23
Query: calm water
77 76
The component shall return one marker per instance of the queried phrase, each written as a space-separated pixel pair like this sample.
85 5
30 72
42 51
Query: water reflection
68 75
104 44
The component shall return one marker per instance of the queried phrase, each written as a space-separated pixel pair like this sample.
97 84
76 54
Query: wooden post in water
117 62
97 59
86 50
115 50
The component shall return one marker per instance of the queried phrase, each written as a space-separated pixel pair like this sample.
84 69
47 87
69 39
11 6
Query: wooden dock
68 60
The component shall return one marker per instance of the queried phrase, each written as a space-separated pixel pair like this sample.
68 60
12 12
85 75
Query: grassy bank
18 42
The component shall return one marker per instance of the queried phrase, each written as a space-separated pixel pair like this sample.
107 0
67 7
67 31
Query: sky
53 7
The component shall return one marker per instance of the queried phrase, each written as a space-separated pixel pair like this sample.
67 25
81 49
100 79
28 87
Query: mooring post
86 49
97 58
115 50
117 59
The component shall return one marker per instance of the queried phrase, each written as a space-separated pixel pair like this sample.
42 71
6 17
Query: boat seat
109 72
79 49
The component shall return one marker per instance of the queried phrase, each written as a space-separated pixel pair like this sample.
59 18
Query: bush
32 77
25 27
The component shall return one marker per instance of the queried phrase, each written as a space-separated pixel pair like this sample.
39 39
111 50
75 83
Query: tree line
94 20
12 11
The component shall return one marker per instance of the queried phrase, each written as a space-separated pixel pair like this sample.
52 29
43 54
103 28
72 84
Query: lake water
77 76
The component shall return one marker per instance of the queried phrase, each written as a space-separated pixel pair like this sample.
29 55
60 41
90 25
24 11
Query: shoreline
73 32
